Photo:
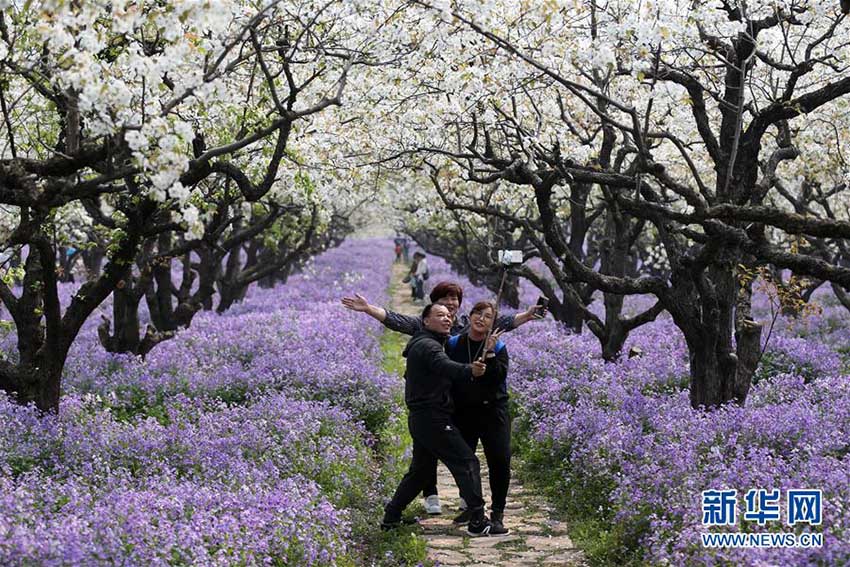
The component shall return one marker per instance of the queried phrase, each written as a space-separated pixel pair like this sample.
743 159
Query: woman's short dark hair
482 305
445 289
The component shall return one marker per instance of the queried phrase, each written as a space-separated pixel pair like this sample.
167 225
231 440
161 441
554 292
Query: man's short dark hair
427 311
445 289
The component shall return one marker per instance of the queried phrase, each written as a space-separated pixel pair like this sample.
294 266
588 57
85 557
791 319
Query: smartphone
542 304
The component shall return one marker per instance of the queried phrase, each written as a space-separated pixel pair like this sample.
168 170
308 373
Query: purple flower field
246 440
627 447
625 440
250 438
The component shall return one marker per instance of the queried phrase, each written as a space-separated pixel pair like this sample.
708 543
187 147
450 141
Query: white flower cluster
160 148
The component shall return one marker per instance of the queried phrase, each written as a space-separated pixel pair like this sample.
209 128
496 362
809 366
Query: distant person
405 249
398 248
428 378
418 274
410 278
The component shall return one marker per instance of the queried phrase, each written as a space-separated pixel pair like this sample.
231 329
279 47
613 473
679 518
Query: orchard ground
274 433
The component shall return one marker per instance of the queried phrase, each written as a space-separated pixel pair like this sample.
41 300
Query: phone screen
542 303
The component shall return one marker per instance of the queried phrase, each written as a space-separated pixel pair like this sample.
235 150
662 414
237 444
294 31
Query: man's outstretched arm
406 324
361 304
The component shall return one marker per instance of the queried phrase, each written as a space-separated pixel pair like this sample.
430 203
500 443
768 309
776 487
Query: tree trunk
612 344
719 373
706 388
229 293
15 259
40 385
162 306
127 296
209 269
125 336
571 316
748 340
51 380
125 312
614 256
268 282
510 293
93 261
579 227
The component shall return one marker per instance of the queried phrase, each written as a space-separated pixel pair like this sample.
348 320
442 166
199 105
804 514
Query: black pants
435 437
418 291
491 424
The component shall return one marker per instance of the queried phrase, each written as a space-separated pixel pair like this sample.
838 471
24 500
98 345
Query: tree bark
93 261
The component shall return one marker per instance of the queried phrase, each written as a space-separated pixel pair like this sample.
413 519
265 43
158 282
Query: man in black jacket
427 384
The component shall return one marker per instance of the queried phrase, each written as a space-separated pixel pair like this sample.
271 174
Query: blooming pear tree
681 117
138 113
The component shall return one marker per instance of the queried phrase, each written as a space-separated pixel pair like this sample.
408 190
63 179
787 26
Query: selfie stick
496 314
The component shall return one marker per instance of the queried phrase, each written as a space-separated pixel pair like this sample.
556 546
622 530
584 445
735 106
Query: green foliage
400 547
392 345
12 276
6 327
777 362
403 546
116 236
289 229
305 183
131 403
671 385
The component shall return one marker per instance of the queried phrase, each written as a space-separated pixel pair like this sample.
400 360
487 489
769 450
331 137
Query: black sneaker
479 529
498 528
390 523
463 517
387 525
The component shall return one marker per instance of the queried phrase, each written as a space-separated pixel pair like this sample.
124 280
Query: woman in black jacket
481 406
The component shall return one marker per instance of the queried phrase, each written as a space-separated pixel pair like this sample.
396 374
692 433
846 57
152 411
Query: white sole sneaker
485 532
432 505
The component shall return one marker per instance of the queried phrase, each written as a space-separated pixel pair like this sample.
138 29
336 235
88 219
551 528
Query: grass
516 545
392 344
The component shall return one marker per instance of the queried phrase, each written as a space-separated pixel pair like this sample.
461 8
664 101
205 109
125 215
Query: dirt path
536 538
